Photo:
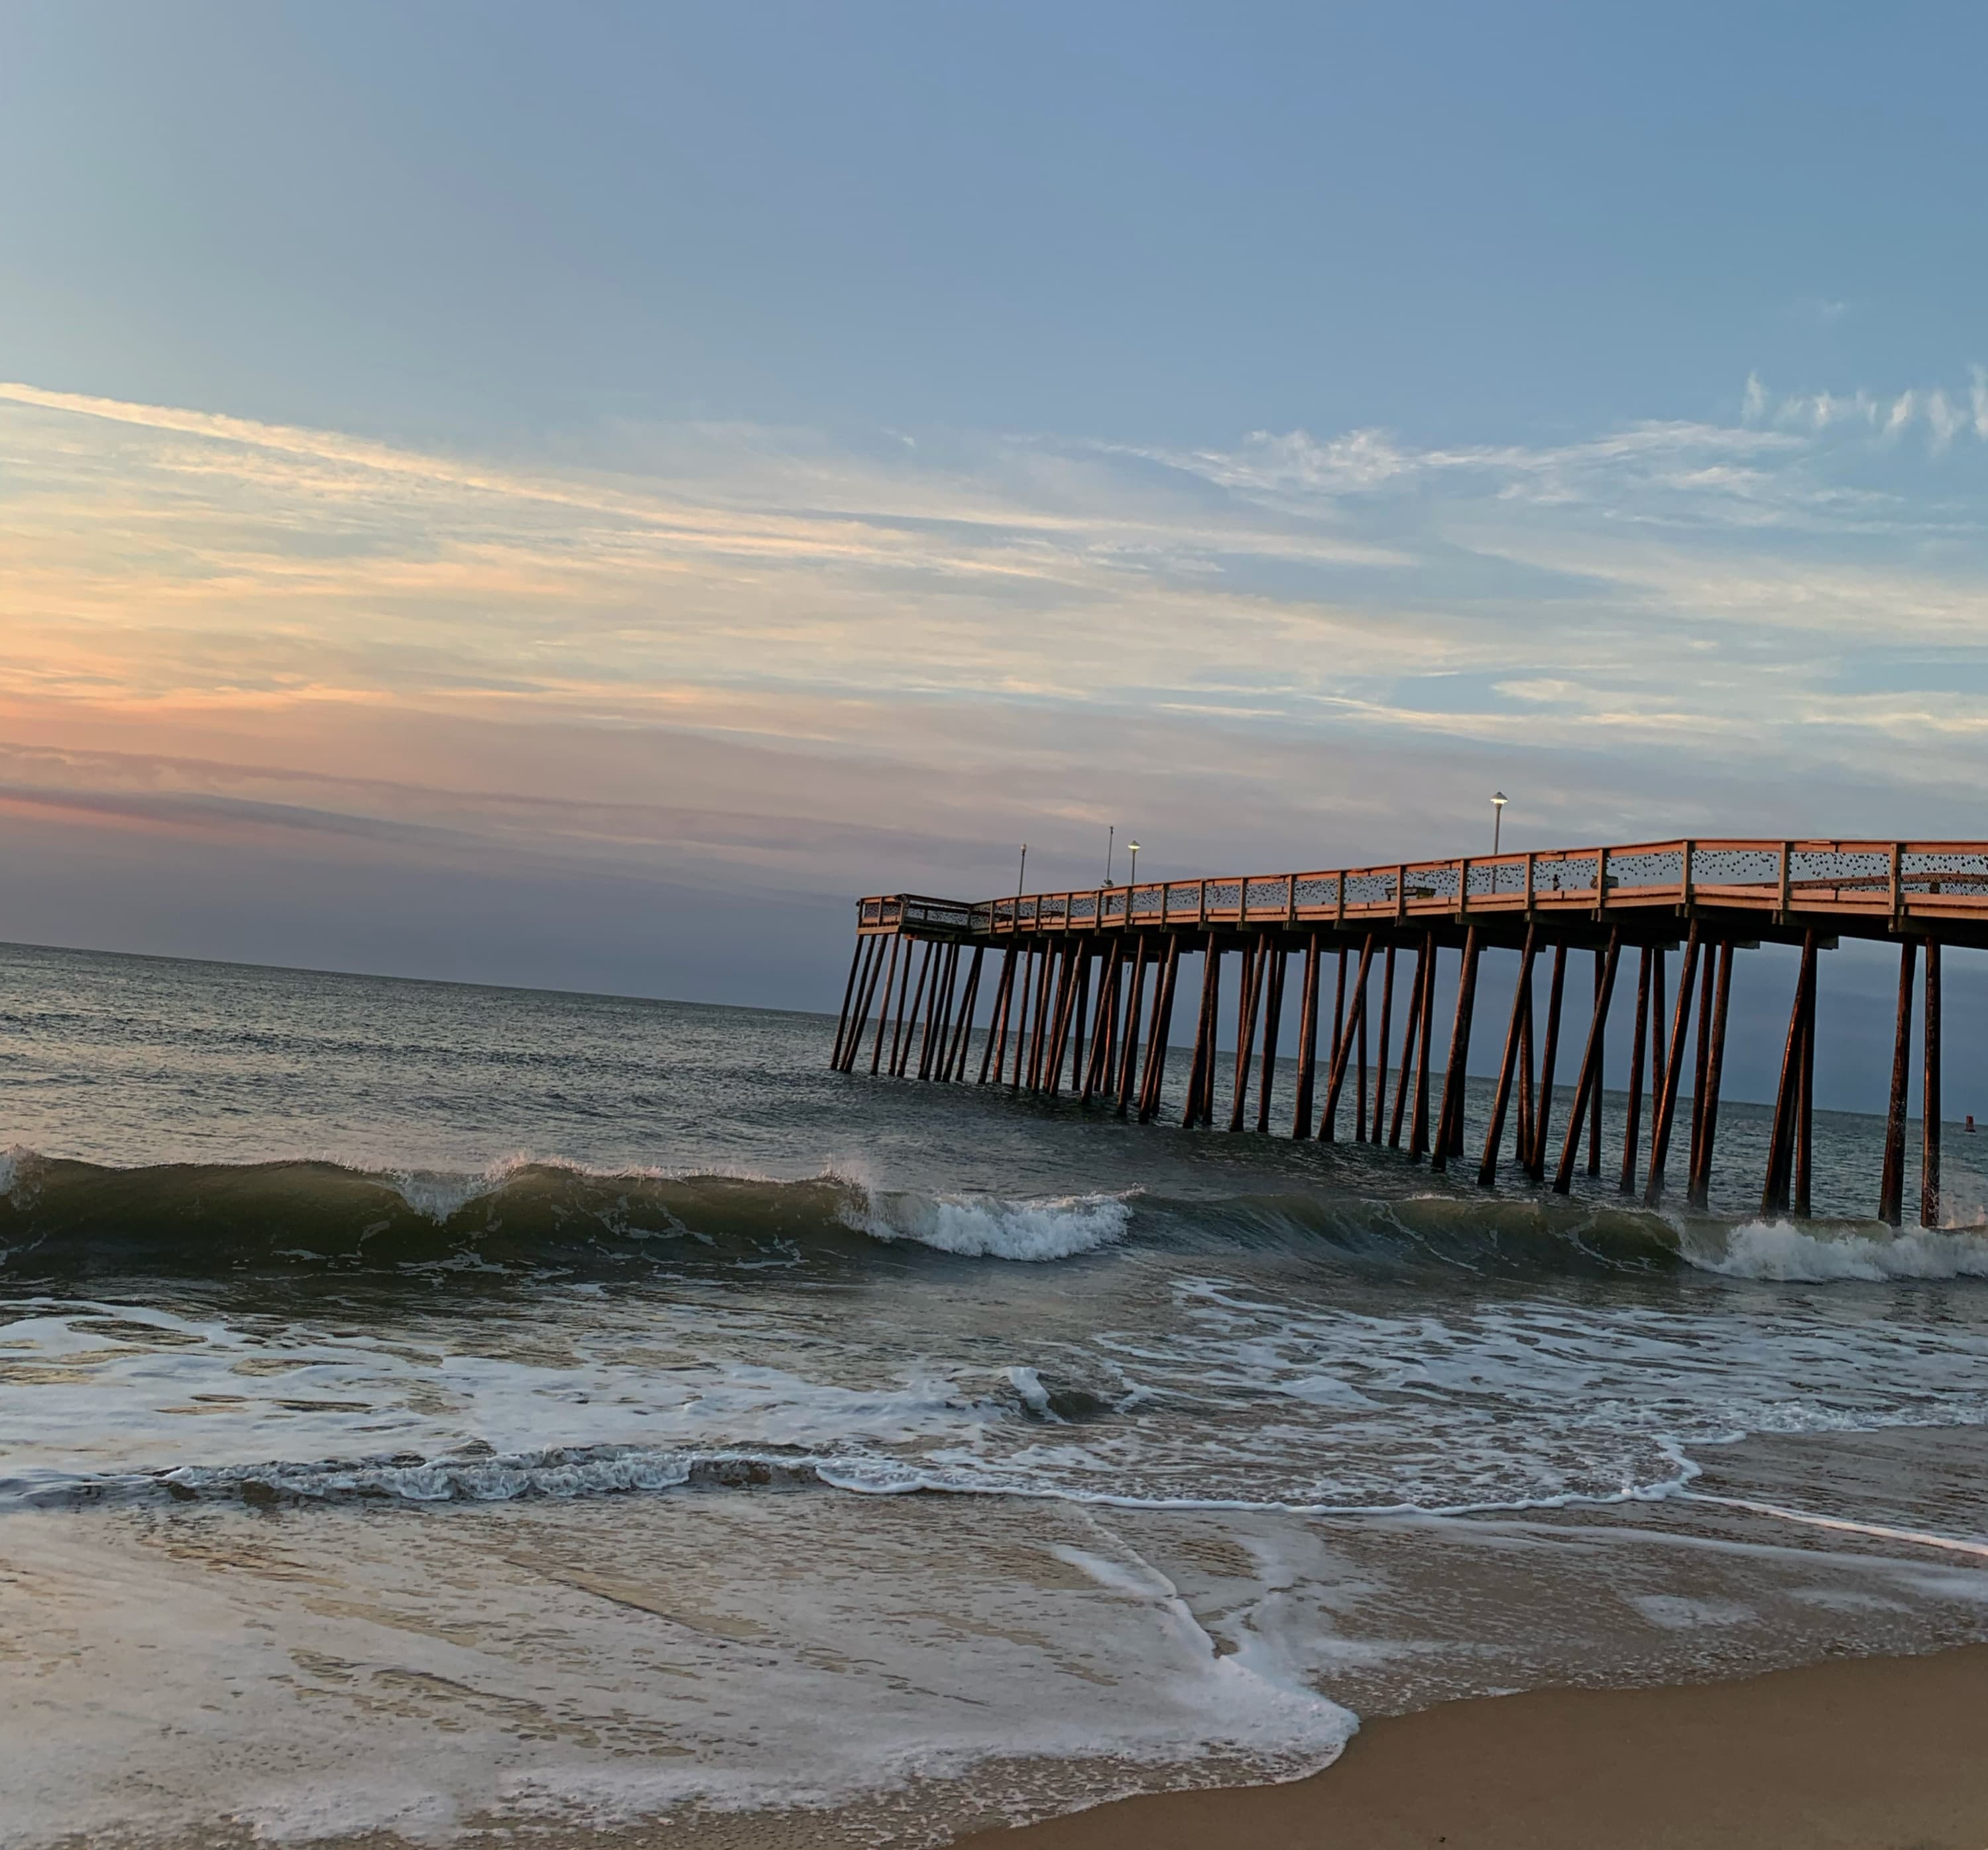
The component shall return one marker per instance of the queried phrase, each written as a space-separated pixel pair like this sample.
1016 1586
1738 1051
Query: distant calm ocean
423 1407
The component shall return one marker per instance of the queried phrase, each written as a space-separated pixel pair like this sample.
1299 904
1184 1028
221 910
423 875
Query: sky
576 495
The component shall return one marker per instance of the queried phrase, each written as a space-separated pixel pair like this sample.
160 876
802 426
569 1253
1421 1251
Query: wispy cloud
791 659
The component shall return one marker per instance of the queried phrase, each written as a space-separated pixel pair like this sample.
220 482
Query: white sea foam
989 1227
1777 1251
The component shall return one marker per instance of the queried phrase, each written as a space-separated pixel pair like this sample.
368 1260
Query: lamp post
1111 840
1499 799
1132 879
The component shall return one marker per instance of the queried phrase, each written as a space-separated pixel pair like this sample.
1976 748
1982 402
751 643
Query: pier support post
1601 980
1203 1034
1255 974
1419 1134
1307 1042
1129 1038
1929 1095
848 993
1382 1041
1707 1115
997 1017
1411 1030
1032 957
1587 1086
1487 1170
1892 1185
1449 1129
908 1024
1542 1095
1632 1127
1665 1102
884 1013
962 1035
1780 1143
1154 1077
1273 1011
845 1056
1701 1063
1805 1104
1103 1021
1357 1025
1328 1124
1338 1015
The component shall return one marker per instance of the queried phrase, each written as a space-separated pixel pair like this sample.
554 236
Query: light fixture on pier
1499 799
1132 878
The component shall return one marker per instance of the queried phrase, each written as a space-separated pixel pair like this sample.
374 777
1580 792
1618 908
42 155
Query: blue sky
573 495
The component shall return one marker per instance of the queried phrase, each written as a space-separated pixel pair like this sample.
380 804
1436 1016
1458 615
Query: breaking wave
61 1219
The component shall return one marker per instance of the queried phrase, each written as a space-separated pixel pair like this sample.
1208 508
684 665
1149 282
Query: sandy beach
1867 1755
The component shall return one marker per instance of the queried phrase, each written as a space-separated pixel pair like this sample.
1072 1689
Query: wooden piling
1487 1170
1701 1064
1031 958
1154 1081
1780 1140
1048 998
1632 1129
1600 1066
911 1024
1543 1096
1587 1085
1657 1029
1214 1039
1929 1095
884 1013
1134 1002
997 1020
1449 1125
1307 1041
1805 1104
938 1010
1204 1035
1411 1031
1327 1123
1273 1011
1700 1195
1338 1014
1255 970
1891 1186
1103 1021
1665 1102
842 1020
853 1040
1381 1041
1357 1027
1418 1134
963 1036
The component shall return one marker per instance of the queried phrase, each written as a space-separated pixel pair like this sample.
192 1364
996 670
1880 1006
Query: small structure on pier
1107 960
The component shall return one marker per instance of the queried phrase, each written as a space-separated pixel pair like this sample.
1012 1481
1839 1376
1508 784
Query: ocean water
434 1410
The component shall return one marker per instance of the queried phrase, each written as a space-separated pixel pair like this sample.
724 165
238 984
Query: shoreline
1846 1753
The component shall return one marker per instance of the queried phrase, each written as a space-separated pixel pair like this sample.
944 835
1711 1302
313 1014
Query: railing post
1898 878
1463 887
1683 883
1290 898
1402 890
1529 859
1787 879
1339 910
1600 881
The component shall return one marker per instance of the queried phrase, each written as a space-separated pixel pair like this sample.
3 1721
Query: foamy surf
1781 1252
989 1228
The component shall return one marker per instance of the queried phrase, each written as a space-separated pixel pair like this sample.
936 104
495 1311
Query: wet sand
1882 1753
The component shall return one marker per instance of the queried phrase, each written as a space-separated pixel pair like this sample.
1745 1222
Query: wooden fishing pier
1084 992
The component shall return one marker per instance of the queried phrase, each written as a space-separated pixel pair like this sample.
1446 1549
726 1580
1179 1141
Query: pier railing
1871 882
